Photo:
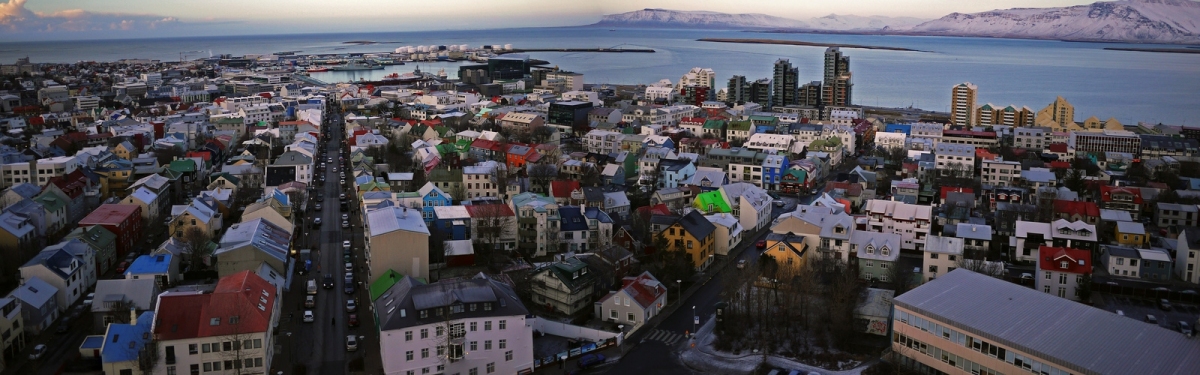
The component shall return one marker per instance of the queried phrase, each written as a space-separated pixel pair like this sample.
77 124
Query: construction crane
186 53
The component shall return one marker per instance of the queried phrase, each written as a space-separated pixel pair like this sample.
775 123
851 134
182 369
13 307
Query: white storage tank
422 49
463 47
508 47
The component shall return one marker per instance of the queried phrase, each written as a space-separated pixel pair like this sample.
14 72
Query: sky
34 20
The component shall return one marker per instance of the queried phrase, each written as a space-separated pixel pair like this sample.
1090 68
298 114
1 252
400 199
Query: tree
976 262
118 312
491 224
1074 180
239 345
589 175
166 154
197 244
540 176
553 239
148 356
901 277
418 180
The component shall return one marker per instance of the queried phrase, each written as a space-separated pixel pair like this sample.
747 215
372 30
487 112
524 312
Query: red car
121 267
761 244
353 320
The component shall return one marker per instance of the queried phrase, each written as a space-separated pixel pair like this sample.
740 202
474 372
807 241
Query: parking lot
1138 308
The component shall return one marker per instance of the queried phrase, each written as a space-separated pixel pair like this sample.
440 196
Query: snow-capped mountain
849 22
1150 21
676 18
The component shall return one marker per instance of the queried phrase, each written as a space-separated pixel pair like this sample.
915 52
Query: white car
351 343
349 267
351 305
308 316
345 216
345 224
38 351
346 244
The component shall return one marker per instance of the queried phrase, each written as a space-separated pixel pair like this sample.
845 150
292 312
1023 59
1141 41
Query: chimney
133 316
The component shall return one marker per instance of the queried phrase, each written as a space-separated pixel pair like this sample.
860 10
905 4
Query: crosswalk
668 337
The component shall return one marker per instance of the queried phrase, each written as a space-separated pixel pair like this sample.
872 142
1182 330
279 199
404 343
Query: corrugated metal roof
390 219
1070 335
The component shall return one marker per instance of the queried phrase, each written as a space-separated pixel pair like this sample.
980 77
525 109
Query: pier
609 50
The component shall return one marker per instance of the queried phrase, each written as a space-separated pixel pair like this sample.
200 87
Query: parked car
318 207
87 301
38 351
1151 319
351 305
1164 304
121 267
351 343
310 301
352 320
590 360
349 268
346 245
741 264
345 216
345 224
761 244
349 288
1184 328
64 325
308 316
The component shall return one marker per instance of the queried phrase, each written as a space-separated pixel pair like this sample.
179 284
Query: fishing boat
392 76
317 69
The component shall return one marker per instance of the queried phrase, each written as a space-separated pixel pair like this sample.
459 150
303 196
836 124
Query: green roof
231 120
51 202
184 165
384 282
713 198
772 119
564 271
447 148
740 125
226 175
714 124
443 175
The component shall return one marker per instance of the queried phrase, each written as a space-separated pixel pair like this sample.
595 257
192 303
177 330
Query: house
1167 215
59 267
564 287
150 202
1122 261
38 303
200 214
101 241
729 232
1186 259
162 268
750 203
246 245
1131 233
1088 212
196 331
877 253
1062 270
114 298
125 345
494 224
18 240
695 235
639 299
910 221
825 229
269 210
941 256
1121 198
787 249
976 237
12 322
396 240
123 220
474 323
610 264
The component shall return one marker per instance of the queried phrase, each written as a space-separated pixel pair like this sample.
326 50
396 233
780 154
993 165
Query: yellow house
124 150
200 214
1131 233
696 235
787 249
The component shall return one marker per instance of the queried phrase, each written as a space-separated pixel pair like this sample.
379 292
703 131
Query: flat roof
1070 335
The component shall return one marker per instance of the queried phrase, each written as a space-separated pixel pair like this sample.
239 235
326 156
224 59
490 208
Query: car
345 224
317 206
64 325
1164 304
38 351
335 169
590 360
320 198
349 268
761 244
1184 328
779 203
345 216
346 245
741 264
327 283
352 320
342 196
87 301
351 343
310 301
308 316
1151 319
349 288
329 159
351 305
343 174
121 267
346 258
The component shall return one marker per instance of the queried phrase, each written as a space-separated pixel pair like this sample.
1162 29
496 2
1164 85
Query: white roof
459 247
974 231
1130 227
1155 254
389 219
944 245
451 212
1115 215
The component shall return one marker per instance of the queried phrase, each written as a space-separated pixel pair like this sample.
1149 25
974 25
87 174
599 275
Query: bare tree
492 224
148 357
553 239
589 175
901 278
241 347
198 246
118 312
166 154
540 175
976 261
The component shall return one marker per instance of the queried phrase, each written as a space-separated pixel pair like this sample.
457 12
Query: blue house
124 342
453 222
898 128
659 141
163 268
674 172
432 197
773 168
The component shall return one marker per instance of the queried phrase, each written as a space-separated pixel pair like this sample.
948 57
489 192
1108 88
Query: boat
317 69
353 66
392 76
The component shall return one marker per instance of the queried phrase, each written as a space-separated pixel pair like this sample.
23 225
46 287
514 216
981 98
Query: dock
606 50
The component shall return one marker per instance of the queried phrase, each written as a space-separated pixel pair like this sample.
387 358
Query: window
408 356
503 324
474 326
1062 278
191 348
487 345
1121 261
503 344
612 314
474 346
1062 292
195 369
424 352
630 317
487 326
473 371
933 256
1046 289
508 355
438 331
1047 275
407 335
491 367
170 370
424 333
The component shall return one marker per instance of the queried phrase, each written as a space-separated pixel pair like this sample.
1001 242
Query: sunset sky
22 20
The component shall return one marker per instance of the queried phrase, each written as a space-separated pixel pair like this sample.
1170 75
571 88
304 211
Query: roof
385 281
35 292
1051 258
150 264
398 307
123 342
1130 227
712 199
1107 191
974 231
110 214
695 224
142 293
877 241
258 233
1088 209
644 289
243 294
1080 338
1160 255
1121 251
390 219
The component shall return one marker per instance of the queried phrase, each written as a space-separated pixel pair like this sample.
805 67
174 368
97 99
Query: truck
305 263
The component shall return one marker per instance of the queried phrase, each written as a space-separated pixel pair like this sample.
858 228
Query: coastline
802 43
1188 50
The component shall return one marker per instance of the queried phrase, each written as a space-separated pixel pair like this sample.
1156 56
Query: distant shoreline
1188 50
802 43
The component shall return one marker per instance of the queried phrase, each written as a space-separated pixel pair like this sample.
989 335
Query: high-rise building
760 92
837 85
786 81
962 104
810 94
738 91
699 77
1060 112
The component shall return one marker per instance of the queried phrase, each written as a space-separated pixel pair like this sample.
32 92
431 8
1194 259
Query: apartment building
942 255
1031 138
962 104
963 323
999 172
398 240
603 141
1061 270
910 221
454 326
1167 215
956 160
1122 198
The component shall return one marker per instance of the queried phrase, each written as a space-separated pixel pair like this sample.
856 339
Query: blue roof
92 342
122 342
281 197
898 128
150 264
571 220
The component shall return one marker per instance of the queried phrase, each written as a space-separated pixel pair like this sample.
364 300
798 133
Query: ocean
1130 86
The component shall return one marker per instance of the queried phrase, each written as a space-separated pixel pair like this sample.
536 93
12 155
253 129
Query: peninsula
801 43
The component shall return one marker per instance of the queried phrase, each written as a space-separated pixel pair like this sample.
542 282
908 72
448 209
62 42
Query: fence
593 340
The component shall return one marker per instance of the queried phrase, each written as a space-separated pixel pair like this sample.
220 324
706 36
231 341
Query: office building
1106 141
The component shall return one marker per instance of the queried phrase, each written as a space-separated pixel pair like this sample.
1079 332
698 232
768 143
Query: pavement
320 346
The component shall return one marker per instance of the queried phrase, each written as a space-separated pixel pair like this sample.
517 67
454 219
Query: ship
357 65
317 69
392 76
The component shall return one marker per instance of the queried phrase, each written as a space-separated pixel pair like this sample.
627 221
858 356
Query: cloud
15 18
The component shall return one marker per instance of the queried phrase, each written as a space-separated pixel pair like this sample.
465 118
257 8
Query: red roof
647 211
644 288
200 154
1058 147
1086 209
691 121
563 188
1052 258
984 154
954 189
476 210
111 214
1107 191
968 133
1060 165
244 294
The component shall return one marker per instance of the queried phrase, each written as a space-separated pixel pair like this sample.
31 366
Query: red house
1122 198
1076 211
124 220
519 154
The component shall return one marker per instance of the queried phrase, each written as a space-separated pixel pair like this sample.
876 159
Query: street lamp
695 320
678 289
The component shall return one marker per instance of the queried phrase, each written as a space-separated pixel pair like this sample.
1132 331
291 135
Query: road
656 357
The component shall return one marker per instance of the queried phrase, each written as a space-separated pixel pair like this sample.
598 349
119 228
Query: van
312 286
1121 313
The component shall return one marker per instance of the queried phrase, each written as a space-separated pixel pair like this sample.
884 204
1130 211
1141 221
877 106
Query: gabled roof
695 224
142 293
1107 191
877 242
572 272
644 288
258 233
150 264
124 342
398 307
1051 258
1130 227
35 292
243 294
1086 209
